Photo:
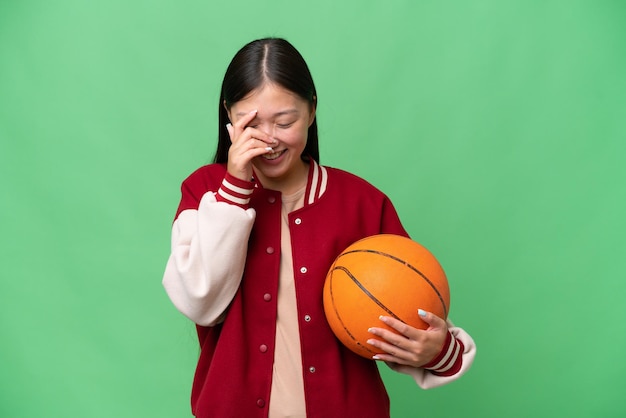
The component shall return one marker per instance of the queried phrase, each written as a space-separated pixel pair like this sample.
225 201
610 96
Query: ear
227 111
313 110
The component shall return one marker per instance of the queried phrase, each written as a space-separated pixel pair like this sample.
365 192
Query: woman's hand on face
410 346
246 144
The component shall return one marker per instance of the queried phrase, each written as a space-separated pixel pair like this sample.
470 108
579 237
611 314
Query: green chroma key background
496 127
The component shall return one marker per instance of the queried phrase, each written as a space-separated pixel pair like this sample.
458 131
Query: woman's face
286 117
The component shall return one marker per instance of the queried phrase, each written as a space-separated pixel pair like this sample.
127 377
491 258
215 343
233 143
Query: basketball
379 275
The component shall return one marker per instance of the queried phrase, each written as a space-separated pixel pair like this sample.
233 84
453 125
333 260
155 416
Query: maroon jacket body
234 372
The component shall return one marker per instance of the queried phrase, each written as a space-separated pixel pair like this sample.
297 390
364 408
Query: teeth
273 155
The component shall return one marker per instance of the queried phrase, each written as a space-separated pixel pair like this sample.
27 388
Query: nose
272 131
267 128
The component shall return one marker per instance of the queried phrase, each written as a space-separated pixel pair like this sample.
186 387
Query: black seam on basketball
332 298
445 308
367 292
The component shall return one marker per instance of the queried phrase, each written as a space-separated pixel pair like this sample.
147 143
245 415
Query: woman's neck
287 184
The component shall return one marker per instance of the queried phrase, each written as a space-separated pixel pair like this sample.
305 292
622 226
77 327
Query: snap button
312 369
270 250
298 221
262 348
307 318
260 403
271 199
267 297
303 270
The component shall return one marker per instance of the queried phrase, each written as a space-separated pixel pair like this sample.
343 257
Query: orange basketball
386 275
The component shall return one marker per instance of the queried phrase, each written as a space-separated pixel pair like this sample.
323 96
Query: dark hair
270 59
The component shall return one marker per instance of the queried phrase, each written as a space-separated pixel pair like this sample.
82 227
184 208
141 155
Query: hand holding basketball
388 276
409 346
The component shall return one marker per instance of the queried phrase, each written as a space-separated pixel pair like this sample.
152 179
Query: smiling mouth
274 155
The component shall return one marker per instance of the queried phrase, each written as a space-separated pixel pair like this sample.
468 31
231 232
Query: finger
251 137
237 128
230 130
388 348
431 319
244 120
245 143
402 328
397 349
241 127
255 152
389 337
254 143
390 353
262 136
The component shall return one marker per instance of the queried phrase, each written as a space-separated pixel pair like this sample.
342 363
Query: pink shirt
287 393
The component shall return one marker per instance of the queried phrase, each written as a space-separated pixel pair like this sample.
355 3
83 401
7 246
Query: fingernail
269 149
421 313
254 111
376 357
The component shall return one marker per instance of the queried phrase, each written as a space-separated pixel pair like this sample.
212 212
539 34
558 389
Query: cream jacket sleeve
208 255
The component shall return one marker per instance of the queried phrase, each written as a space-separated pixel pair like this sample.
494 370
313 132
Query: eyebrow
281 113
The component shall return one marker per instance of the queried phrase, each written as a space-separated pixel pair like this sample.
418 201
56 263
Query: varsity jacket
223 274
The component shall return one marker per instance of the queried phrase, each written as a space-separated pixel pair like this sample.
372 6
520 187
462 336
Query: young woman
252 241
